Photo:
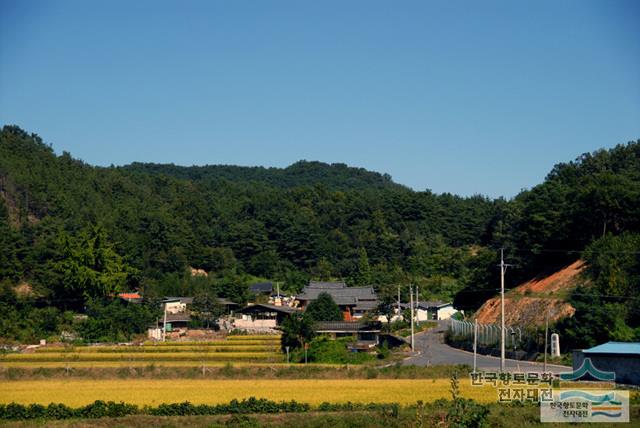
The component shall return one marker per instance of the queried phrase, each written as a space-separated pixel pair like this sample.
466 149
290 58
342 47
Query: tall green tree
324 308
206 309
297 330
89 267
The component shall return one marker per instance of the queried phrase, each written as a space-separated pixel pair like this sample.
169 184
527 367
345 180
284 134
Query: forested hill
160 224
75 232
335 176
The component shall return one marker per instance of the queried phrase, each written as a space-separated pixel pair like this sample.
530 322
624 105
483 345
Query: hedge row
97 409
100 409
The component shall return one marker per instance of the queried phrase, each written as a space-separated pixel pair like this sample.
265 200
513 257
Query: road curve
431 350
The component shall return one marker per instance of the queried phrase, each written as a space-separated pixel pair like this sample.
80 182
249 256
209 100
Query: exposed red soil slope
529 303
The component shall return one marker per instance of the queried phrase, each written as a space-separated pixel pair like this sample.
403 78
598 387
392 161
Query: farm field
141 356
77 392
147 363
256 349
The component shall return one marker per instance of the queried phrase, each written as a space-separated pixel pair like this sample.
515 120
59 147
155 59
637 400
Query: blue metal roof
615 348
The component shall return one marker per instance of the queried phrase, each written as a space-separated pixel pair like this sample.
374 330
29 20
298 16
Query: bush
325 350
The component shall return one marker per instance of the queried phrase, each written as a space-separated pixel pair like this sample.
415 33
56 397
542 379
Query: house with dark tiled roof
354 302
262 288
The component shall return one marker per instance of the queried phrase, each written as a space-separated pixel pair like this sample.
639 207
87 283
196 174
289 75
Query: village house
430 310
354 302
366 334
262 316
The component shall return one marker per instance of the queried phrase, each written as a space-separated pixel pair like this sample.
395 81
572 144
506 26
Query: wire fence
488 335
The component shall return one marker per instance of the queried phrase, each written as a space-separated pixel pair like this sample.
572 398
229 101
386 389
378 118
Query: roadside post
475 346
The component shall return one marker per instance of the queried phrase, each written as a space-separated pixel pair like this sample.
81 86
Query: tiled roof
424 305
346 326
182 316
261 287
366 305
270 308
130 296
632 348
326 284
185 300
340 293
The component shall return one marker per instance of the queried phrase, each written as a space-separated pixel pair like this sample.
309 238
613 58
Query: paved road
433 351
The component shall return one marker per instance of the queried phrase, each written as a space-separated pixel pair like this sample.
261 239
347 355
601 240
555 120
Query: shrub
325 350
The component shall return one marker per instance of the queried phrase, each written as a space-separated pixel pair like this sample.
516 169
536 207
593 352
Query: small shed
621 358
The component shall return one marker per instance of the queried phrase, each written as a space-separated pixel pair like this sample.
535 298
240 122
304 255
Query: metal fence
488 334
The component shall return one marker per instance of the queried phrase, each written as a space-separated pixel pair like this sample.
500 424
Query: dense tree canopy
74 231
324 308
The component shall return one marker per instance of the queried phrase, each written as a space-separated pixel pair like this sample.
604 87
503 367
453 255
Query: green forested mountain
303 173
76 233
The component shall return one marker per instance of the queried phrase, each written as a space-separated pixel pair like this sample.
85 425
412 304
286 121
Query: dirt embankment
529 303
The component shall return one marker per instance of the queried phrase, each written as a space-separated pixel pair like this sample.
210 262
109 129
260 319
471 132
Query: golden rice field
161 349
139 356
77 392
234 349
230 340
163 363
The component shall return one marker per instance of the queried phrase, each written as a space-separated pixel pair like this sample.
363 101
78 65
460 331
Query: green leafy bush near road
325 350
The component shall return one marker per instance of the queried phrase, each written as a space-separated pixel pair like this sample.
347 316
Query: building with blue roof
621 358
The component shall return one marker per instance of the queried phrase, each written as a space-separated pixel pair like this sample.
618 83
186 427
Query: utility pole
164 326
398 302
411 305
417 308
546 334
503 270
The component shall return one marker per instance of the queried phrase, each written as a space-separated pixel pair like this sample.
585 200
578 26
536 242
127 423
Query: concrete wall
626 367
175 307
154 333
254 324
446 312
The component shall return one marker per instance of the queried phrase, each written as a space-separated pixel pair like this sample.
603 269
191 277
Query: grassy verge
417 328
231 371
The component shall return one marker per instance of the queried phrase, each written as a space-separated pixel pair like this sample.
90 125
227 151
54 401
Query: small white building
177 305
431 310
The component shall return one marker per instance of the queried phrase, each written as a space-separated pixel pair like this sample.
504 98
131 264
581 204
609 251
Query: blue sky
455 96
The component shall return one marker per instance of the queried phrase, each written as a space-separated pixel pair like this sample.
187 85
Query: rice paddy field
235 351
254 349
77 392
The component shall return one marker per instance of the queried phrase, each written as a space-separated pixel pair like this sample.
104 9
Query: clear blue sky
456 96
